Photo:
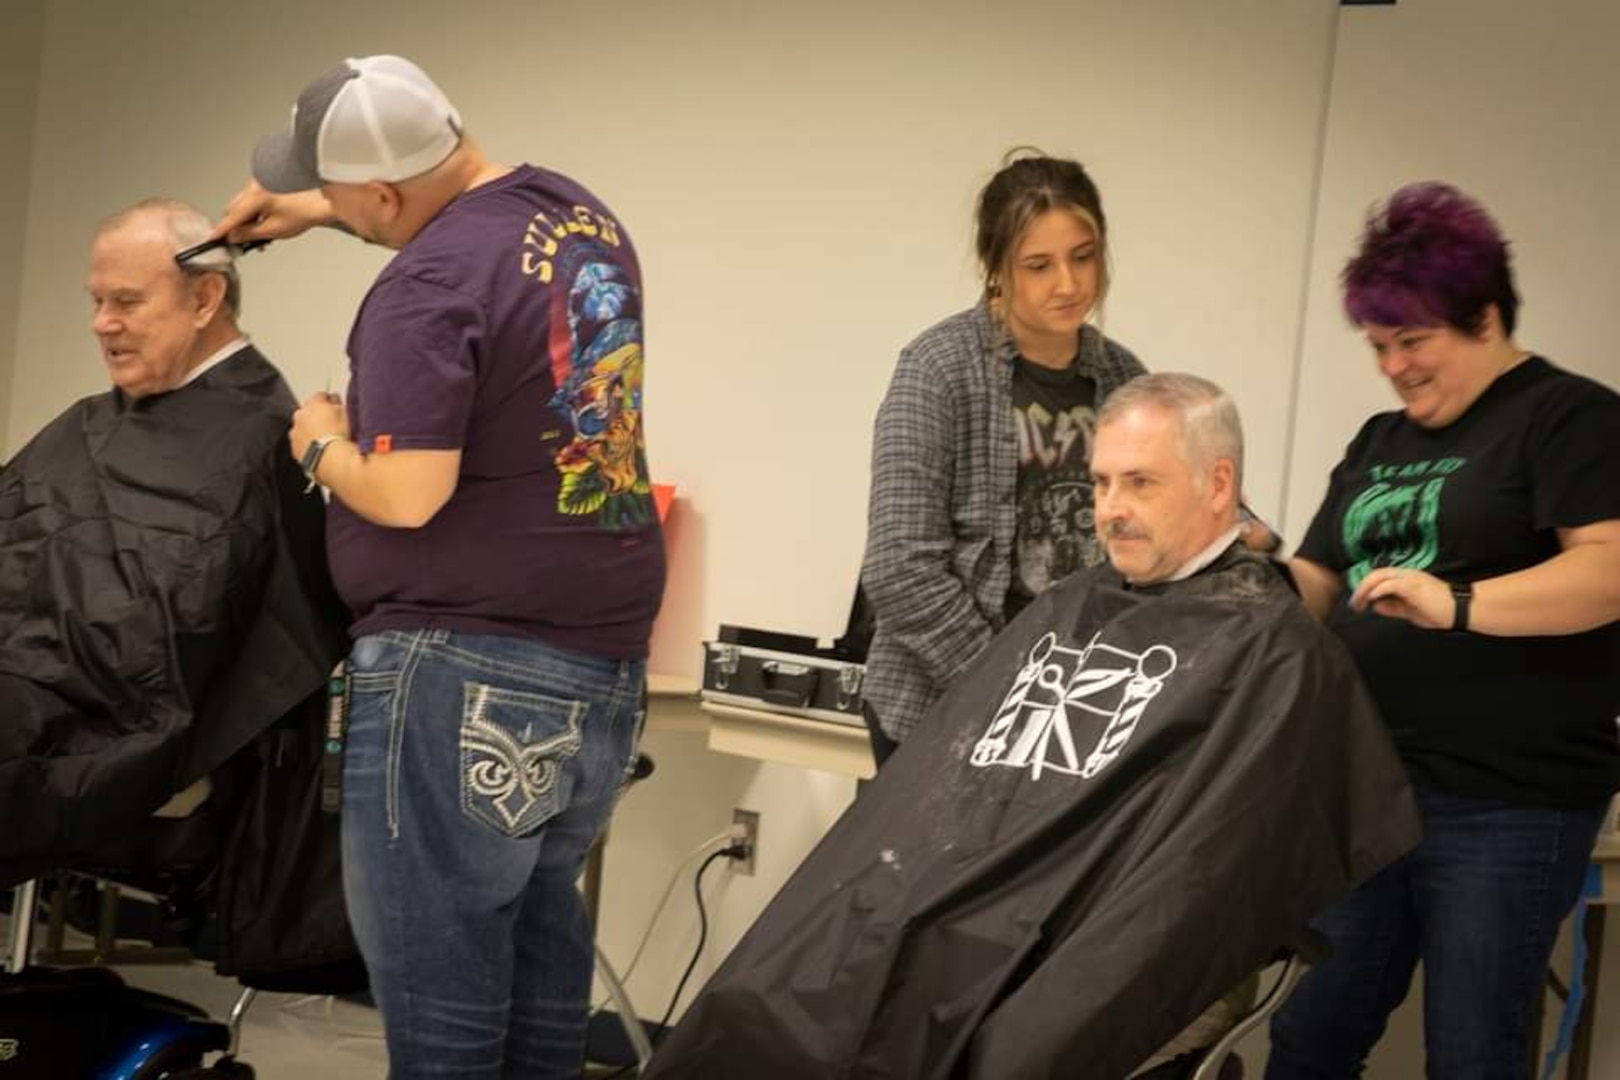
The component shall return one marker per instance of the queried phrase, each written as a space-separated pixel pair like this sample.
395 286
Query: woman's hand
1421 599
1257 536
256 214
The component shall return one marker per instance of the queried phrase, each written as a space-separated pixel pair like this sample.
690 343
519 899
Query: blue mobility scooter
87 1024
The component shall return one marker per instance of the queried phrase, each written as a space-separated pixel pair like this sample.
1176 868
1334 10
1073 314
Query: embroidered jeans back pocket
515 747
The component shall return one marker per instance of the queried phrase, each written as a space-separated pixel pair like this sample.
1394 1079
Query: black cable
703 933
703 936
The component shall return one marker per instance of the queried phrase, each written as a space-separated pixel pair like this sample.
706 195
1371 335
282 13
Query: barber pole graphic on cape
1032 729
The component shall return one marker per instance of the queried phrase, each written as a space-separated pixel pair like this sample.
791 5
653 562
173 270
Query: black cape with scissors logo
165 615
1133 800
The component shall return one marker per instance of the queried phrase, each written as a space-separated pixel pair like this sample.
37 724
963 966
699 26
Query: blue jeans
478 770
1479 902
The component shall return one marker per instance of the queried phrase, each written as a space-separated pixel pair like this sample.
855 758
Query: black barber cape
163 602
1133 800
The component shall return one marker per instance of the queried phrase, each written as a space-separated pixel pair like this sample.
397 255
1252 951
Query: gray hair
188 227
1208 418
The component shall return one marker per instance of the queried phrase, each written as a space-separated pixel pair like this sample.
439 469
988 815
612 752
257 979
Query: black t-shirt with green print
1530 720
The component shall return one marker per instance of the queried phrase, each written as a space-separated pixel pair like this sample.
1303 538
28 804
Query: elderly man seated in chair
163 593
1138 797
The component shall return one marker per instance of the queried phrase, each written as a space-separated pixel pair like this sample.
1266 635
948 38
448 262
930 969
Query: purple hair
1430 255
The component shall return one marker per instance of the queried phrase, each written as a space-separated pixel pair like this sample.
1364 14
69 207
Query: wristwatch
1462 594
312 458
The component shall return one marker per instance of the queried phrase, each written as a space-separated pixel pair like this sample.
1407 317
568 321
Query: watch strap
312 458
1462 595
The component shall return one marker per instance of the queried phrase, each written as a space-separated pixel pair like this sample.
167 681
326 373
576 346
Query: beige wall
799 179
19 89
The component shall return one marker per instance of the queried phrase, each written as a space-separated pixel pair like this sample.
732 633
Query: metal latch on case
725 665
849 684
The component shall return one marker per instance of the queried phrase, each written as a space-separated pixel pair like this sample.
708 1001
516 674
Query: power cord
736 849
663 901
703 932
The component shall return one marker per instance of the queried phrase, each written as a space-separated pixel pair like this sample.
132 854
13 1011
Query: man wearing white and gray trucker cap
492 532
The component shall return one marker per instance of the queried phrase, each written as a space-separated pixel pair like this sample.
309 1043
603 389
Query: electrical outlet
745 827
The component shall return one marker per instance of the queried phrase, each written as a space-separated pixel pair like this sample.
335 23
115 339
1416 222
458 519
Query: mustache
1123 530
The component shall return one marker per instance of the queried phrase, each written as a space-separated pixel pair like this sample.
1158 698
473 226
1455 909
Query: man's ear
1223 493
207 297
387 199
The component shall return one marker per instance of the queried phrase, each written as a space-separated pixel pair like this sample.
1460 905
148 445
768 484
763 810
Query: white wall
799 180
1517 103
688 800
19 89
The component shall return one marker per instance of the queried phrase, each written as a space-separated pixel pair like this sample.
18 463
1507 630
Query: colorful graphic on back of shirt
596 362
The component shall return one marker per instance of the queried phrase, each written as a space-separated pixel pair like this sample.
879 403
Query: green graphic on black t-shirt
1395 520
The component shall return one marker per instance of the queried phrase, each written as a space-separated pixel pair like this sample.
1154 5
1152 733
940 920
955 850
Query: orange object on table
663 496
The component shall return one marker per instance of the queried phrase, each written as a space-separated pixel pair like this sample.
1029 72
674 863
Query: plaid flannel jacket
942 513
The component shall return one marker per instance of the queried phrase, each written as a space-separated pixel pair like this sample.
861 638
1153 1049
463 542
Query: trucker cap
372 118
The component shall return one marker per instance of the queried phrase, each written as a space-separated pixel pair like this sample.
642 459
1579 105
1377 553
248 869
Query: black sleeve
1323 544
1574 455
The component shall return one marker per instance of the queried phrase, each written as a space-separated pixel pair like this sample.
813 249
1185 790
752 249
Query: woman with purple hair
1468 554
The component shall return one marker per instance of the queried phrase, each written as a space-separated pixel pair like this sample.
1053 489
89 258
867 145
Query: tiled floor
283 1035
287 1037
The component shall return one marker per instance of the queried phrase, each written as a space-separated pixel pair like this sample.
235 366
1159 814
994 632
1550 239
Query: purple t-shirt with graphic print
510 329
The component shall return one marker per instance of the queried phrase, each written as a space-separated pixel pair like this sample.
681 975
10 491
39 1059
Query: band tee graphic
1055 417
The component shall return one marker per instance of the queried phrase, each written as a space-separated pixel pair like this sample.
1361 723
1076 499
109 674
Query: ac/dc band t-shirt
1055 415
